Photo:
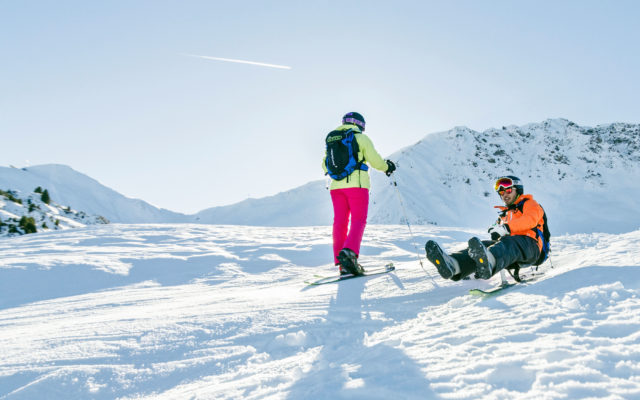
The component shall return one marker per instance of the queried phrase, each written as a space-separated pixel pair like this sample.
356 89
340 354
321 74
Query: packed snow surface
223 312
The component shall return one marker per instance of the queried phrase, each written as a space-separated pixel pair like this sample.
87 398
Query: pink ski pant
352 202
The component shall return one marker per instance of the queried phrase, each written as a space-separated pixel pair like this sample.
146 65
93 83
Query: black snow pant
508 250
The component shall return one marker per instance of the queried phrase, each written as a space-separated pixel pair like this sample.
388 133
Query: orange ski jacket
525 219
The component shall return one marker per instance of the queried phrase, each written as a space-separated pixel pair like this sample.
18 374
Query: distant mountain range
80 192
585 178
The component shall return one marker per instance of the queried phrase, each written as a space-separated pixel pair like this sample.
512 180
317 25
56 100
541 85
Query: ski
501 288
492 292
368 272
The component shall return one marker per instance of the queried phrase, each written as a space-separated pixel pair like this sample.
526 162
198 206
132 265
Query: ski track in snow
195 311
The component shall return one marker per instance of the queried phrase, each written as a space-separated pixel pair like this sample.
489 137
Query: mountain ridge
81 192
446 179
583 176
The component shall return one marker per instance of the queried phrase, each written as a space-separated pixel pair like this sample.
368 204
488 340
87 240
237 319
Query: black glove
390 168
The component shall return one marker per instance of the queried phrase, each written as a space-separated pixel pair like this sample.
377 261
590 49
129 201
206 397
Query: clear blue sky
109 88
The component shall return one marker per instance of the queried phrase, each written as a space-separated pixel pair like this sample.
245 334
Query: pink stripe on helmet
354 121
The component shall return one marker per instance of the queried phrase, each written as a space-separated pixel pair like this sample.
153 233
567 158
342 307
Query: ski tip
491 292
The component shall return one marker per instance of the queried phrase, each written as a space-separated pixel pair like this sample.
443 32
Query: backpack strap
355 149
520 207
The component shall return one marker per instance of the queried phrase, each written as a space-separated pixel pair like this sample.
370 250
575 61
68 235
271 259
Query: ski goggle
354 121
503 184
501 191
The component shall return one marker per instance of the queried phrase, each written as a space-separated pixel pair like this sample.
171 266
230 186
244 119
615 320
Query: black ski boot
349 261
485 261
447 265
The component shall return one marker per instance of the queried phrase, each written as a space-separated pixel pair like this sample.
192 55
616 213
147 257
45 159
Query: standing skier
348 152
518 237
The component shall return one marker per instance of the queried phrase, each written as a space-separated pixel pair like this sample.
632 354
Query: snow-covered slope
306 205
222 312
28 213
69 187
584 177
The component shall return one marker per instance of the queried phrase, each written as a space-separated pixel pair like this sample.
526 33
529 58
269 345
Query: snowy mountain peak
447 177
535 149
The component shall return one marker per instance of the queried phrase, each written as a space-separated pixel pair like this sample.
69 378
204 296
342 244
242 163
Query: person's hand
390 168
499 230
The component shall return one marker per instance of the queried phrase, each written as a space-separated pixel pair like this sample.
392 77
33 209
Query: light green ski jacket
368 153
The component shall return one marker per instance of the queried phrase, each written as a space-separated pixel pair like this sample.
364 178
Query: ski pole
406 218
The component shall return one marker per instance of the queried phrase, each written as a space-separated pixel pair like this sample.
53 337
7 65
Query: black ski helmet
510 181
354 118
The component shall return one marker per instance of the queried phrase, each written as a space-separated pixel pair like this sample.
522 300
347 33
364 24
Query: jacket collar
519 199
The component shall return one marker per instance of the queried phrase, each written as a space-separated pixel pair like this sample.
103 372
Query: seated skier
517 238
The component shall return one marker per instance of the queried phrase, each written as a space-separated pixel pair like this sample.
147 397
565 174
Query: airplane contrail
240 61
